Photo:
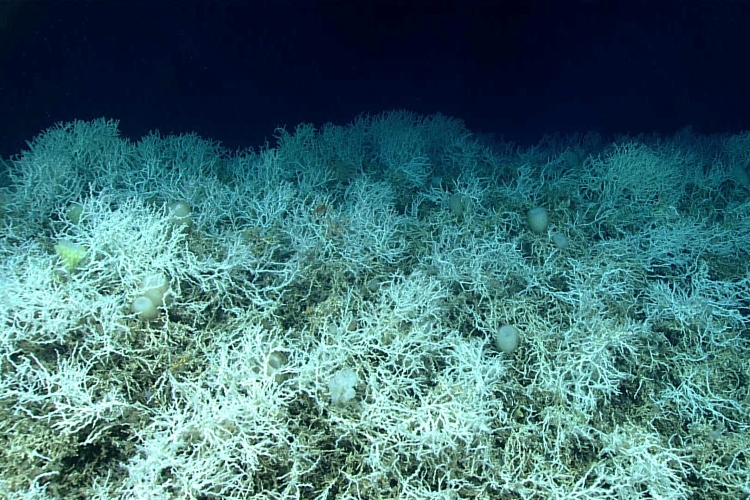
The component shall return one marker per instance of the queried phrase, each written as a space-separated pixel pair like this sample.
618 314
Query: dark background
234 71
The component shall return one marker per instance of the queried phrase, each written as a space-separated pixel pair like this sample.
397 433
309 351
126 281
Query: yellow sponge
70 254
